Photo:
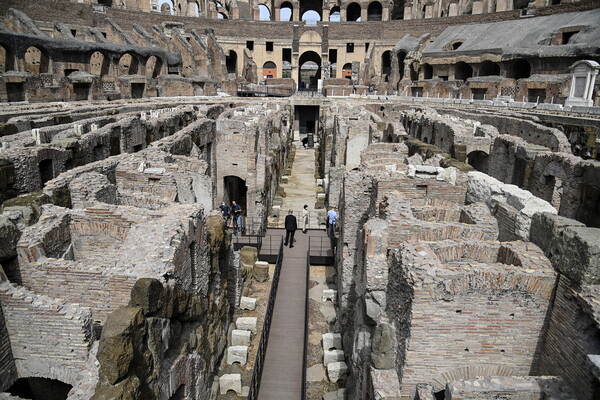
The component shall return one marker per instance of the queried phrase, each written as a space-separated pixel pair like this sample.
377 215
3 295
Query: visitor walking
236 213
304 218
290 228
331 222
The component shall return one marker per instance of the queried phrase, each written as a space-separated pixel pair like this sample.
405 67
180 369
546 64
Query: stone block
332 341
332 356
230 382
9 236
383 355
329 294
247 303
336 371
240 337
260 272
247 323
339 394
237 354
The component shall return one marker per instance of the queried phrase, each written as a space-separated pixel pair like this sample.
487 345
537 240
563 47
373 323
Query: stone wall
8 368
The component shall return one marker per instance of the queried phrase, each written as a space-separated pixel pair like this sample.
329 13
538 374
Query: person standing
304 218
236 212
225 213
290 228
331 222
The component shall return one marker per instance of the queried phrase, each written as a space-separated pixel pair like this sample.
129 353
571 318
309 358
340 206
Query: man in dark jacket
290 229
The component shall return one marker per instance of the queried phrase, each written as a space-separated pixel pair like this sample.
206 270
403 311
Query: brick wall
571 335
8 369
49 338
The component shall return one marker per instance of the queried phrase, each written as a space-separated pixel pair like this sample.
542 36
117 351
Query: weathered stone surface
247 303
147 293
237 354
329 294
247 323
384 346
9 236
248 257
573 248
336 371
332 356
230 382
240 337
260 271
339 394
332 341
385 384
116 350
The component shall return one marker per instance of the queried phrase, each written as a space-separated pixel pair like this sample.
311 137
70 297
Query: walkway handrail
316 219
264 337
304 361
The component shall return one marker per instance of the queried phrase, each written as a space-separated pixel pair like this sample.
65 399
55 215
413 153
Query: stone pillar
408 10
343 15
477 7
363 14
277 14
325 13
504 5
453 9
385 14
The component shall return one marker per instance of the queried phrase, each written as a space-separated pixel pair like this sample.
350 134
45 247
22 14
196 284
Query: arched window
311 15
269 70
99 64
286 11
489 68
462 71
374 11
264 12
36 61
166 7
347 71
334 14
222 15
353 12
195 9
128 64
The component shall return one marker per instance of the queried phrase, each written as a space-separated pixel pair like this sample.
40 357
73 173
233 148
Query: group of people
233 214
291 224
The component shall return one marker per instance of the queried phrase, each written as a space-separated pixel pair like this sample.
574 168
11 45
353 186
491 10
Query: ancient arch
520 69
235 189
489 68
353 12
347 71
374 11
36 61
264 12
128 64
286 11
270 69
153 66
222 15
311 77
462 71
479 160
166 7
6 60
306 6
99 64
335 14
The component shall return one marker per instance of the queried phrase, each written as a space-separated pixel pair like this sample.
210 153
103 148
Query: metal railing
316 219
264 337
321 250
251 90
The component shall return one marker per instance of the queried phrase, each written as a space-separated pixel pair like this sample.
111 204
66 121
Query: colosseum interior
437 161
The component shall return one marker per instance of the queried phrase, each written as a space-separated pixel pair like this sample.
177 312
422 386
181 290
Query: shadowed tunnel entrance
40 389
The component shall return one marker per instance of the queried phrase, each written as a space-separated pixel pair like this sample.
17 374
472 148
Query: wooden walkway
282 372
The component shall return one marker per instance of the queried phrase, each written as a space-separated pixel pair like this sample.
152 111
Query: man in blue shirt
331 222
225 212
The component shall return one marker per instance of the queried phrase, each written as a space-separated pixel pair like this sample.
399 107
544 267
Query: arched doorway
128 64
269 70
264 13
286 11
309 71
427 71
462 71
36 61
99 64
353 12
386 65
478 160
235 189
231 63
374 11
40 389
334 14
